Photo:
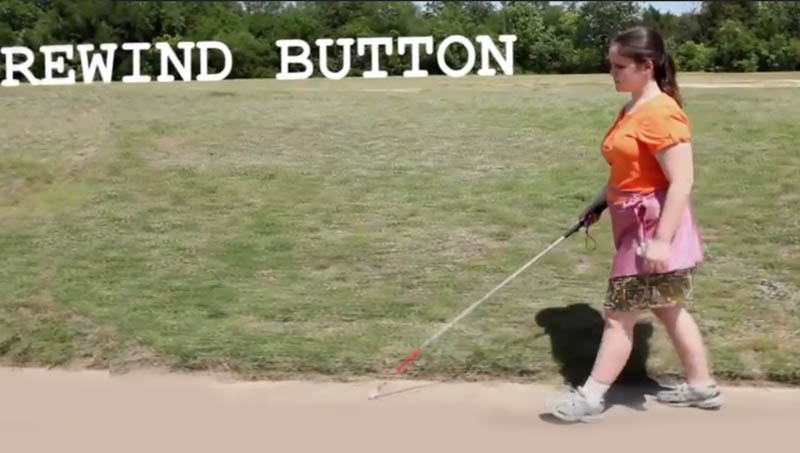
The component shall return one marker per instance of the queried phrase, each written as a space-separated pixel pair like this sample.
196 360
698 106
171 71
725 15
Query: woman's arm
678 167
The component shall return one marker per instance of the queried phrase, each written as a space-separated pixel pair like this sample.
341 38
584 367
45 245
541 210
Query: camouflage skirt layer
645 292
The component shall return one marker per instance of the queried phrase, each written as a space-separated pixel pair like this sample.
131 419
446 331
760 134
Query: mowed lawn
306 228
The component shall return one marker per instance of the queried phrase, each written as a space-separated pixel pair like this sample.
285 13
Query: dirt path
781 83
88 411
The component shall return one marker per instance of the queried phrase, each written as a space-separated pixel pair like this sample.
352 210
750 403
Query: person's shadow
575 332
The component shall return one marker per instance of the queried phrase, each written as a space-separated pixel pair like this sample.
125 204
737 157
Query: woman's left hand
656 256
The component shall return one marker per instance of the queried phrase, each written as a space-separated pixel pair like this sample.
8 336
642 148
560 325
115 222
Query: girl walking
649 151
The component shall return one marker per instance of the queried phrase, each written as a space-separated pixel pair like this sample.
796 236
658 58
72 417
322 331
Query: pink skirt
634 221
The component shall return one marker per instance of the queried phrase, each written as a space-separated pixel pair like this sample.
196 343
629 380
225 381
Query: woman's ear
647 65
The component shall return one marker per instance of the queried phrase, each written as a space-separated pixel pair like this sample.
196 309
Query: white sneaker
706 397
573 406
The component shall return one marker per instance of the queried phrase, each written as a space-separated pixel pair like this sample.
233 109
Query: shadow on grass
575 332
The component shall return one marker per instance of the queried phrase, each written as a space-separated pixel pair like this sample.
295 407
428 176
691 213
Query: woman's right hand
592 213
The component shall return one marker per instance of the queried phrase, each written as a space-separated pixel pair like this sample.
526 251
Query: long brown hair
644 43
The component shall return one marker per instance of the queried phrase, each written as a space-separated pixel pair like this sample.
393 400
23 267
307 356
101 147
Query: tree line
570 37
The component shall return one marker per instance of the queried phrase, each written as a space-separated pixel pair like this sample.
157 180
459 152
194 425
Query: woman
648 149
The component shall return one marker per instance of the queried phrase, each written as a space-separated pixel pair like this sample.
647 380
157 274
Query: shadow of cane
415 388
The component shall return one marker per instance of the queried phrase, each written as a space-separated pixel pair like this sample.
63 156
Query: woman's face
627 74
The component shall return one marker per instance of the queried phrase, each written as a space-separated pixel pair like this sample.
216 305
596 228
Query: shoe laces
571 397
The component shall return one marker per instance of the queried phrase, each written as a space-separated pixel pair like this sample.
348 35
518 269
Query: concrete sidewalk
48 411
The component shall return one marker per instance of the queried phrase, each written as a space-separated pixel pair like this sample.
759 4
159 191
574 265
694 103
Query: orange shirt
631 144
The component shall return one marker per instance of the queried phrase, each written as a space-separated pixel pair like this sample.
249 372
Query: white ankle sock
706 384
593 390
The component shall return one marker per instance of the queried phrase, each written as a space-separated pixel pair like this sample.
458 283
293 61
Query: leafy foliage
565 38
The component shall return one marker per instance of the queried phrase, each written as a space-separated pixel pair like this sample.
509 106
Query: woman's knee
668 315
621 320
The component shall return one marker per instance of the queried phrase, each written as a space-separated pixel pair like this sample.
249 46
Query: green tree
597 24
526 21
737 47
666 23
713 15
568 37
691 56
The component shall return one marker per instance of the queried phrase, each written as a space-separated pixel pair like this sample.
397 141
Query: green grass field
298 229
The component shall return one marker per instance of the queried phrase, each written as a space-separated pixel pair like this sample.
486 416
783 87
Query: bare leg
616 345
688 342
615 348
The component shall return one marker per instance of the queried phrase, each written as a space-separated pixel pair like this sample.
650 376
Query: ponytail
666 78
